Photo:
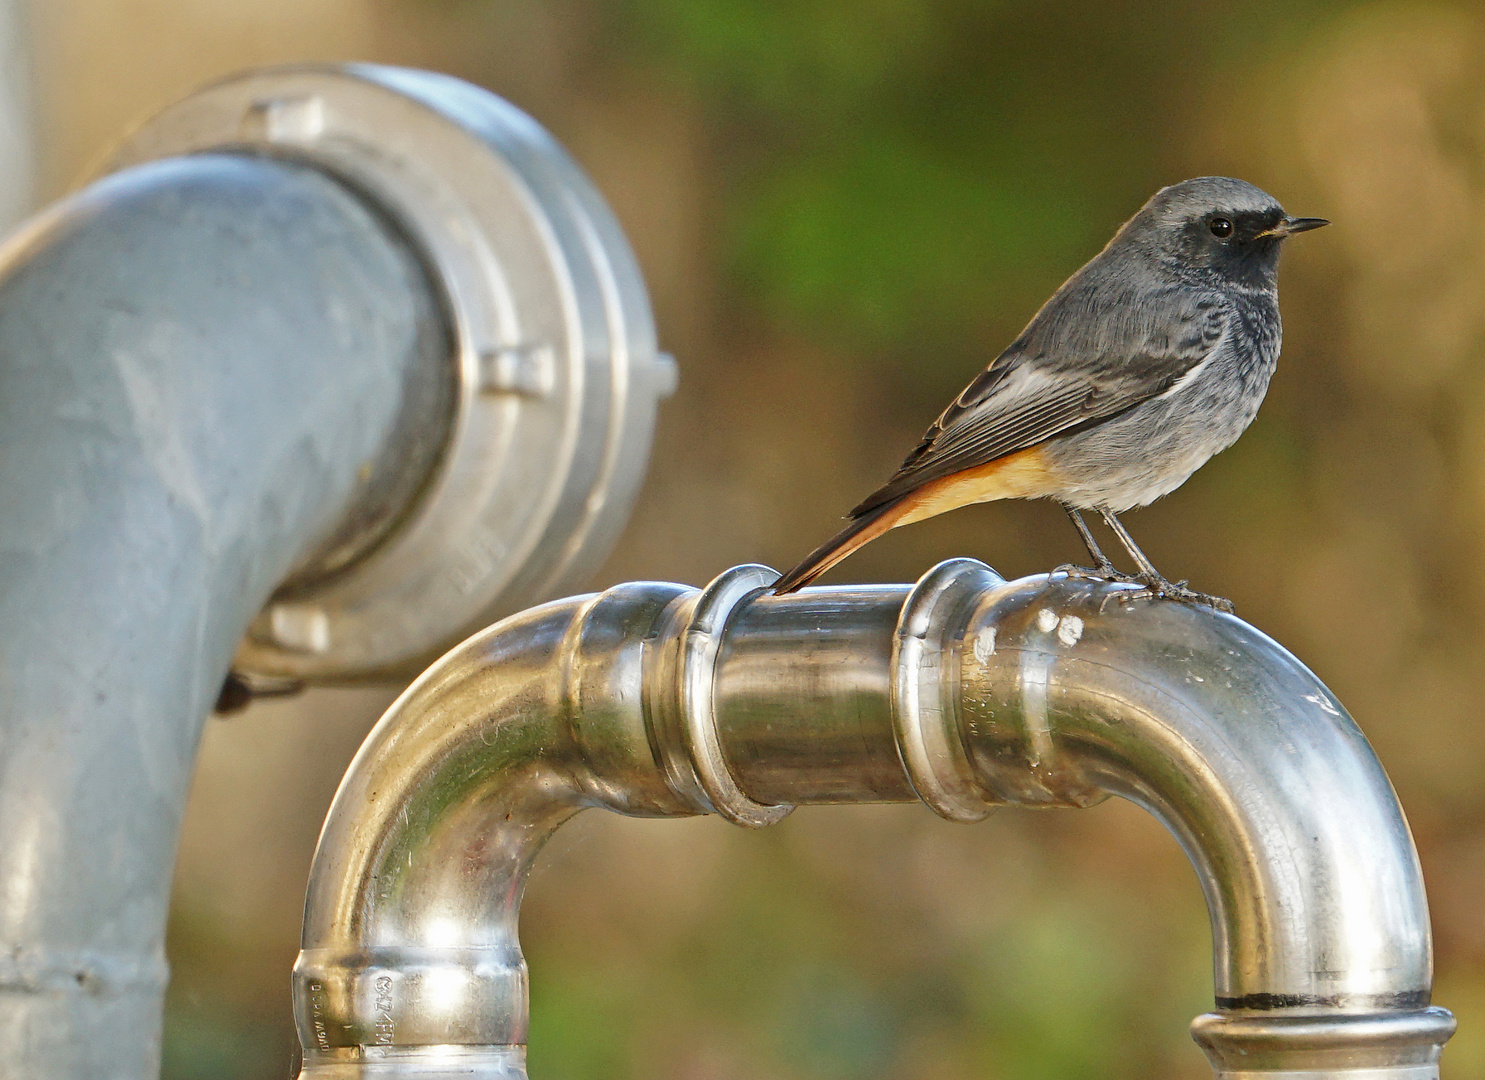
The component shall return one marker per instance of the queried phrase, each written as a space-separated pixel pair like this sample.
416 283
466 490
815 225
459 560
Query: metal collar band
553 343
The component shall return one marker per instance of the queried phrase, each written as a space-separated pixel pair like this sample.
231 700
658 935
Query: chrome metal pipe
965 691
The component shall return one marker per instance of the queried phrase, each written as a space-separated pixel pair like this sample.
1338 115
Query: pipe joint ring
924 722
701 641
1392 1045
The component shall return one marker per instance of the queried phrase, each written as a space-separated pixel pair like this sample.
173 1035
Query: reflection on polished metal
966 691
554 351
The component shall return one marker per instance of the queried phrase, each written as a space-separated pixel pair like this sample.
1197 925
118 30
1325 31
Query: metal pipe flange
1403 1045
925 723
556 373
701 642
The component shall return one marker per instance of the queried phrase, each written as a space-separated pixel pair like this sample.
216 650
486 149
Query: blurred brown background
844 208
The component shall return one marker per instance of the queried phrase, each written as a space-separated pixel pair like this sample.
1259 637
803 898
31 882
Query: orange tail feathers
862 530
1026 474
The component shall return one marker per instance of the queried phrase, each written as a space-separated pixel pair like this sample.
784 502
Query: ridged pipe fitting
699 634
965 691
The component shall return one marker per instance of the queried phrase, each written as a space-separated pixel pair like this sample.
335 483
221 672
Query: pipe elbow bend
1065 695
965 691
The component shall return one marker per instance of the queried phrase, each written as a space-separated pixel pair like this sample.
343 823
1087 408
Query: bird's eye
1221 227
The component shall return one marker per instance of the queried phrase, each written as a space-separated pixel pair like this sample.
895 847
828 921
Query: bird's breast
1140 455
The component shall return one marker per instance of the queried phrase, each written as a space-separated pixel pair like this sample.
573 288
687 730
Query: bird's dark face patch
1212 225
1237 243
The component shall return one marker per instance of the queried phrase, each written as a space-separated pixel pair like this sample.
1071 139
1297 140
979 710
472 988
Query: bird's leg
1153 581
1102 568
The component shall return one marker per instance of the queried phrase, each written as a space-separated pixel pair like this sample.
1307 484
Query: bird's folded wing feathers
1049 383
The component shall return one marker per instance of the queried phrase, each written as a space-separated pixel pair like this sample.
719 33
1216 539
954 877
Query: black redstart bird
1146 362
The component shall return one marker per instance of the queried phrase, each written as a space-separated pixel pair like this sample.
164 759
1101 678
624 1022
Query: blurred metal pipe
345 361
965 691
551 335
201 360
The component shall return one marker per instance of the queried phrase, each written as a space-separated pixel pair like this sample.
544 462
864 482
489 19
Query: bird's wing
1061 375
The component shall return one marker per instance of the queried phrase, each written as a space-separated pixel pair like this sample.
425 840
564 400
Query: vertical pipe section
412 961
202 362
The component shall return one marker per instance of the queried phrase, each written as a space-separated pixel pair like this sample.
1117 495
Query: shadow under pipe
964 691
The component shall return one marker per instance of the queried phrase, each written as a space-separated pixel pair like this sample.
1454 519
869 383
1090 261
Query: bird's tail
868 526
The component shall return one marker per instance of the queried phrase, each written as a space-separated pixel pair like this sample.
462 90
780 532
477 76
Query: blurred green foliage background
844 208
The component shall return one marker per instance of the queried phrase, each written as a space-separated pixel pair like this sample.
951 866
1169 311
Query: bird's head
1219 225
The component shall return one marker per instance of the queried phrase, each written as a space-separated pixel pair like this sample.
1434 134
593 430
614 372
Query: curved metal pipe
360 340
201 360
965 691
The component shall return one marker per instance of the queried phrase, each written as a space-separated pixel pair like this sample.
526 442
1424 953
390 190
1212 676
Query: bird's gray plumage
1146 362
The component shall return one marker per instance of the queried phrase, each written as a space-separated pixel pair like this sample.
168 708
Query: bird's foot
1104 571
1156 587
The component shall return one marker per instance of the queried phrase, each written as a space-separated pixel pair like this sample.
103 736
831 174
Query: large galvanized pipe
341 364
202 358
965 691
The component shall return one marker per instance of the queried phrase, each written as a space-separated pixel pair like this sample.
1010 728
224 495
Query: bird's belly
1022 475
1148 452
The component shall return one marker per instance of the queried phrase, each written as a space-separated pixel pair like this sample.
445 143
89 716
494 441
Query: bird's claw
1152 588
1106 572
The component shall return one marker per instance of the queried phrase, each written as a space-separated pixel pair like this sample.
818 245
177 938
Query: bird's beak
1291 225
